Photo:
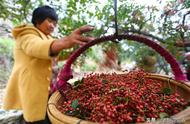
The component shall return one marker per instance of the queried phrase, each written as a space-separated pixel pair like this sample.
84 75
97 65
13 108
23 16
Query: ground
2 89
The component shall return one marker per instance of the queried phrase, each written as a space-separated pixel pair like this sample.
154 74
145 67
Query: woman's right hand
76 36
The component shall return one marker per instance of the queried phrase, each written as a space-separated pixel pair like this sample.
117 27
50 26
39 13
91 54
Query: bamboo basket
178 83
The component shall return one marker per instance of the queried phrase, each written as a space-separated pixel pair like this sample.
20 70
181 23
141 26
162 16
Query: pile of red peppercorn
121 98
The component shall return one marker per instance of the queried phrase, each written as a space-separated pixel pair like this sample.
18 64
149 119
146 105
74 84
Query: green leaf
163 115
122 99
167 91
104 81
187 3
76 83
74 104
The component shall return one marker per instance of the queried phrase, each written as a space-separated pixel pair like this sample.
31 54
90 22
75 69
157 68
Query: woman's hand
76 37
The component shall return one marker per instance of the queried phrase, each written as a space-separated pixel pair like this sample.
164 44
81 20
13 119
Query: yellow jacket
28 85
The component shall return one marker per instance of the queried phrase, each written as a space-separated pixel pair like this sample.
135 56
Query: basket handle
66 72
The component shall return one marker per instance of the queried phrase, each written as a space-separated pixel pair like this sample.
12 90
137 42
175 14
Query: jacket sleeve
34 45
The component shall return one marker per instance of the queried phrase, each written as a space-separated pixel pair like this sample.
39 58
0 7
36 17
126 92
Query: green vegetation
6 58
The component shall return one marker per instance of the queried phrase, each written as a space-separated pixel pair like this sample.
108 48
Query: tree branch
145 34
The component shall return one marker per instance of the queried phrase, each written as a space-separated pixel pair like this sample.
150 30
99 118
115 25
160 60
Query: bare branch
184 17
145 34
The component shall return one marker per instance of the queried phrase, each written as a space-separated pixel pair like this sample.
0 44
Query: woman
28 86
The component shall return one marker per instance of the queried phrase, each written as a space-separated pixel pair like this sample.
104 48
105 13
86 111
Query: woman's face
47 26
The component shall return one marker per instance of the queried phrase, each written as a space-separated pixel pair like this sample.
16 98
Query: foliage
164 25
6 60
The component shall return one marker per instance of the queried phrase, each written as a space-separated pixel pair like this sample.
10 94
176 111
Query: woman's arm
69 41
